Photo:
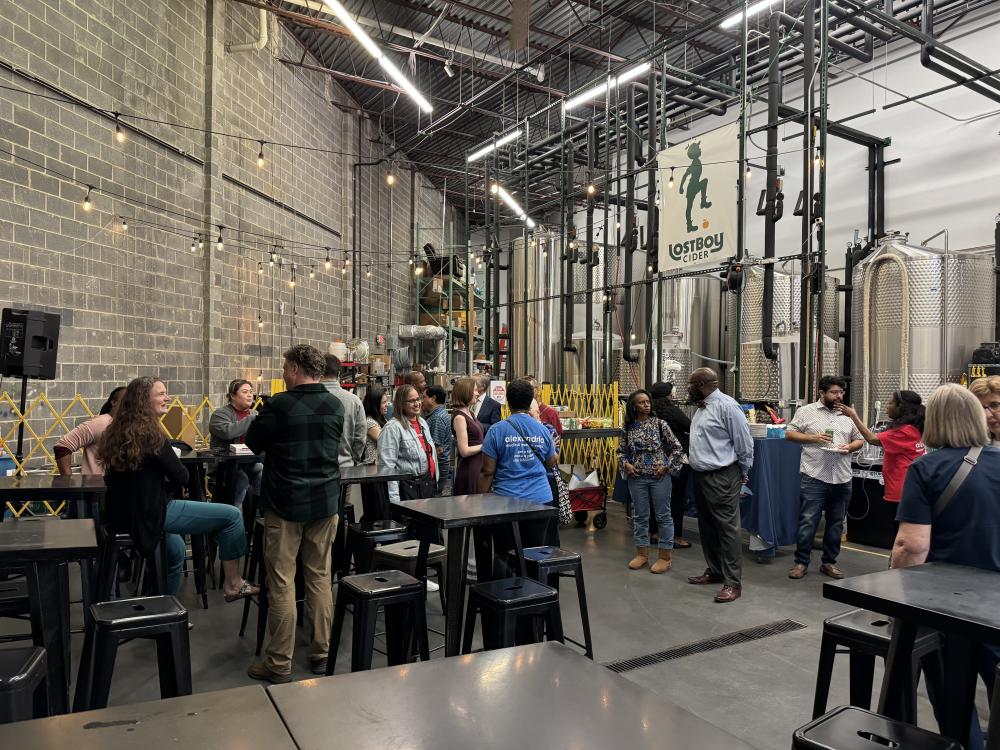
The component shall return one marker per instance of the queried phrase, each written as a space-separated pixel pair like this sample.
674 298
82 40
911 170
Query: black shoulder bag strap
969 461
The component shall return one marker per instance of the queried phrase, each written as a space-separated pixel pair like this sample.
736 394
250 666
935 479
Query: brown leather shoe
798 571
259 671
728 594
831 570
663 563
705 579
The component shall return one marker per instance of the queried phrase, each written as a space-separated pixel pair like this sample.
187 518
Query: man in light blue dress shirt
720 455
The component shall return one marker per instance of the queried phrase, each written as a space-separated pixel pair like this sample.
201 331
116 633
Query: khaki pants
283 542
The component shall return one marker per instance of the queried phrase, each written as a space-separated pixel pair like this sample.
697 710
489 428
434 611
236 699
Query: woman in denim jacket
405 442
648 455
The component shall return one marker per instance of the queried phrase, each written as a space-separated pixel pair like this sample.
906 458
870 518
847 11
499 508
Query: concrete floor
760 691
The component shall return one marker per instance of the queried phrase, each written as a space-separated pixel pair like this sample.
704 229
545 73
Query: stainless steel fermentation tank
918 314
776 380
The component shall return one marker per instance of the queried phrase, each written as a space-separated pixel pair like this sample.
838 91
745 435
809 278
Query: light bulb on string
347 258
271 261
201 242
632 336
390 179
494 189
86 200
119 133
124 224
260 324
260 267
192 246
591 189
418 270
312 272
291 281
260 156
817 162
343 268
649 268
670 182
748 173
260 375
218 242
327 263
368 271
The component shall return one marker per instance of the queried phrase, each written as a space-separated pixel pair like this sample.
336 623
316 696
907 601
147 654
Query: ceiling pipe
260 42
537 71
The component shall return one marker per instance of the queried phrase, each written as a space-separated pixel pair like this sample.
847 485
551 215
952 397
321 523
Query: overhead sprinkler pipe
652 217
569 229
589 314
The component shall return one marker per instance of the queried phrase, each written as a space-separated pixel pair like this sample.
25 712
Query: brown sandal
246 589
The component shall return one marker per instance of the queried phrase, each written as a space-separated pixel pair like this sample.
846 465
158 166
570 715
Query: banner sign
698 215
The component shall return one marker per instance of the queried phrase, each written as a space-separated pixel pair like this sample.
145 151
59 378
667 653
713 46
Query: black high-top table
960 601
543 695
44 547
80 492
457 516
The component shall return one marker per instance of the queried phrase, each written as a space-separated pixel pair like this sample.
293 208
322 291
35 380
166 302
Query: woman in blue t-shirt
517 454
967 530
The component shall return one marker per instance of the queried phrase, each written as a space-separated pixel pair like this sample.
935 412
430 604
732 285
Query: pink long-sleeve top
85 437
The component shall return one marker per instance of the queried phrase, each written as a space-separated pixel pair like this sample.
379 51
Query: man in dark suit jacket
485 409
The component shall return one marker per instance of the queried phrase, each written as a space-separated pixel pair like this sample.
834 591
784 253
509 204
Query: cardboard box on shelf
433 319
379 364
459 317
433 291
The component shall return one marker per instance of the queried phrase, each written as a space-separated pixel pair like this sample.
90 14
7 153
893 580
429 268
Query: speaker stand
20 426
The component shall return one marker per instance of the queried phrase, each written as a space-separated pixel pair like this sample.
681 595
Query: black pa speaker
28 343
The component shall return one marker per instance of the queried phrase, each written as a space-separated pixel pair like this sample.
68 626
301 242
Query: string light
119 133
343 268
748 171
260 155
591 189
347 258
670 182
260 267
326 264
218 242
124 224
649 268
273 255
368 271
192 246
312 272
260 324
86 201
817 162
418 270
390 179
291 281
201 242
260 375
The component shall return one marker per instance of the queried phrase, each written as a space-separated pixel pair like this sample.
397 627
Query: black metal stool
851 728
547 565
404 600
502 603
23 685
866 635
365 536
15 604
403 556
161 618
993 731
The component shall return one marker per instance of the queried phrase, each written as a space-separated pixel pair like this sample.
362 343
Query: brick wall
138 301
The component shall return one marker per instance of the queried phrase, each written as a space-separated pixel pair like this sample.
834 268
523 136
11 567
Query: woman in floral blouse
648 455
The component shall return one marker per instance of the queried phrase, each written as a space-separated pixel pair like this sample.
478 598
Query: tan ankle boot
640 559
663 563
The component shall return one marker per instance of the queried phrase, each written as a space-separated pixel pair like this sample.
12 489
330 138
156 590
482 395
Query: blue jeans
819 497
194 517
646 493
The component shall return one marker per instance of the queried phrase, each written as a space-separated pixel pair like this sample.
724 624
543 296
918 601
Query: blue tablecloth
771 510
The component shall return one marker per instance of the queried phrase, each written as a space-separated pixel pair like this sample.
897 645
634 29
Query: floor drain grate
709 644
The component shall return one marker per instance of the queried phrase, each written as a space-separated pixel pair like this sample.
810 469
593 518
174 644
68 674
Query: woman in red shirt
901 441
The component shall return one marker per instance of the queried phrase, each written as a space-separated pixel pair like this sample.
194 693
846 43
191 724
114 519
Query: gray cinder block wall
138 301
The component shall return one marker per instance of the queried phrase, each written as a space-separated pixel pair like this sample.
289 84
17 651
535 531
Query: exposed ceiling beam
659 29
341 31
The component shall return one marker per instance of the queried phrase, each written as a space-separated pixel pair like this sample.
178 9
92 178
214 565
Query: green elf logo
697 185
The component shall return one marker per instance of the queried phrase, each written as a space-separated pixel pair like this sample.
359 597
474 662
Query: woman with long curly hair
142 472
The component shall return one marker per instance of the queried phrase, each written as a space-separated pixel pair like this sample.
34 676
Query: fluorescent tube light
373 49
753 10
512 136
599 89
512 205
